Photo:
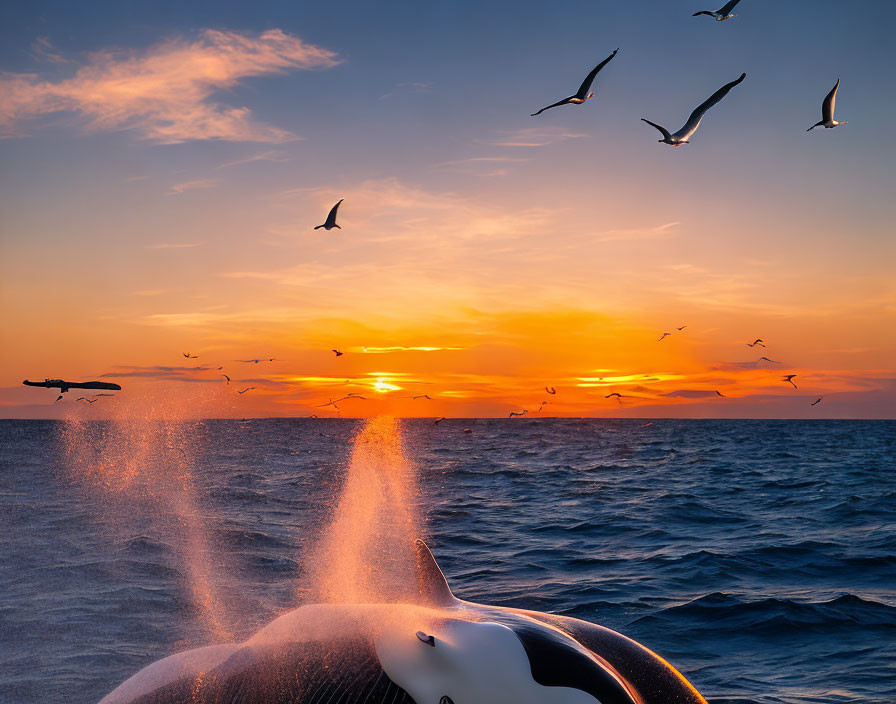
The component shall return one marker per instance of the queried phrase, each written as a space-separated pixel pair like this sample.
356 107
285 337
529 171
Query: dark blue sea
759 557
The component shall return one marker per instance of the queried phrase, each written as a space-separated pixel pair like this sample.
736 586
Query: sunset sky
163 166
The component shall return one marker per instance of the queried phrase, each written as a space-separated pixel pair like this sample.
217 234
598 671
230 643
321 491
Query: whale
432 648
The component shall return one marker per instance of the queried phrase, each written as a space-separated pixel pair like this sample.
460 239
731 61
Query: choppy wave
758 556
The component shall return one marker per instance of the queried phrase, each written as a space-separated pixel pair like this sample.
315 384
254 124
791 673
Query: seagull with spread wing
684 135
583 93
789 379
827 110
330 222
757 341
722 14
64 386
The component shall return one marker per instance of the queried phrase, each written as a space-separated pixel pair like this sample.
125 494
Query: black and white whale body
441 650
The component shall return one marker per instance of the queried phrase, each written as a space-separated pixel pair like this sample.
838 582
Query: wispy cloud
535 137
164 92
274 155
194 185
400 348
638 233
44 50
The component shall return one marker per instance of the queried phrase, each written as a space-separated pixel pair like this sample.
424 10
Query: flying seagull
426 396
89 400
337 353
226 377
190 356
681 328
719 393
684 135
789 379
616 394
723 13
757 341
766 359
827 110
550 389
816 402
64 386
543 404
521 413
583 93
664 336
245 390
331 218
256 361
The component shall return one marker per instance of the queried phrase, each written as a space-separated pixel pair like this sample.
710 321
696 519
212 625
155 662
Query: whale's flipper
434 589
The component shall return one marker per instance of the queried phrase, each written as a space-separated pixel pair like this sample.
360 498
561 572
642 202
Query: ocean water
759 557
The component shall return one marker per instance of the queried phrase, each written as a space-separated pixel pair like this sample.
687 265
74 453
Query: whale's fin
434 589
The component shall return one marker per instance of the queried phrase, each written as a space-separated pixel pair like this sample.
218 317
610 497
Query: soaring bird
520 413
766 359
337 353
426 396
64 386
256 361
190 356
719 393
543 404
681 328
550 389
664 336
226 377
331 218
817 401
616 394
684 135
789 379
583 93
245 390
89 400
723 13
757 341
827 110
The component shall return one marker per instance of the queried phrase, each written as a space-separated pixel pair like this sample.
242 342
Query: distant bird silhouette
817 401
723 13
684 135
98 395
256 361
89 400
217 369
438 420
191 356
245 390
681 328
64 386
827 110
719 393
521 413
616 394
226 377
583 93
543 404
331 218
551 390
757 341
337 353
426 396
789 379
664 336
766 359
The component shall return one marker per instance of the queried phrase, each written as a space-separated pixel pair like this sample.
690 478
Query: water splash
366 553
141 463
